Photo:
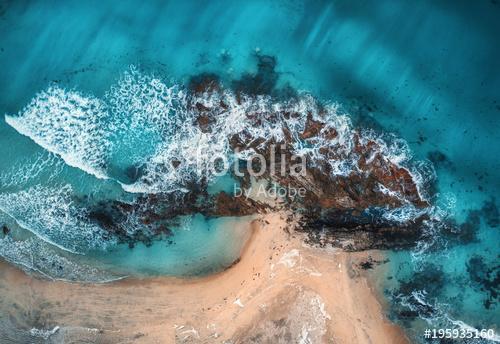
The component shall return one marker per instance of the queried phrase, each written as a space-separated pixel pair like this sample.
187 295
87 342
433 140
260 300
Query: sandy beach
280 291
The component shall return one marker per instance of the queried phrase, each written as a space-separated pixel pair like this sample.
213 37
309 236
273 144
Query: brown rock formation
343 209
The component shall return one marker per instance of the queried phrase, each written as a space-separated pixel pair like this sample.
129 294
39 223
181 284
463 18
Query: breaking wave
53 216
41 167
36 256
105 137
437 315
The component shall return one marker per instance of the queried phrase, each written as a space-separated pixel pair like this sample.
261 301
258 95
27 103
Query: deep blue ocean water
427 71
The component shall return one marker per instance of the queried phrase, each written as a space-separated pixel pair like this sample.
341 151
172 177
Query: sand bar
280 291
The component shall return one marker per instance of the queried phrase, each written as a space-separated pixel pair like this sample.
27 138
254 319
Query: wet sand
280 291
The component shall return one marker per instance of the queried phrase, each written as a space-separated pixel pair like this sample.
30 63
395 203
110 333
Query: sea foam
144 123
52 215
33 255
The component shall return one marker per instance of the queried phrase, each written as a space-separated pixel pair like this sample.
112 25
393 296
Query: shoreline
279 288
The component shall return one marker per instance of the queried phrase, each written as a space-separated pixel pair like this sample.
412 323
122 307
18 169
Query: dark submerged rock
351 232
262 82
485 278
429 282
490 213
133 173
205 82
370 263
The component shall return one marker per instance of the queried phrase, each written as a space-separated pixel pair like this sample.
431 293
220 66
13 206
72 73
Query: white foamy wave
145 102
150 126
404 214
391 147
36 256
44 165
69 124
88 132
145 114
431 237
437 315
418 299
423 175
52 215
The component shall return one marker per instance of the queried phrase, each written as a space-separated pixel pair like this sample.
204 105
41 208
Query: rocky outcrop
352 231
347 183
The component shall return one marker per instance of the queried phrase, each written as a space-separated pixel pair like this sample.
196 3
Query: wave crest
106 137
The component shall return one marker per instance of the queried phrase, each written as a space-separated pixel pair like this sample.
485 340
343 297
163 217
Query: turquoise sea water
428 71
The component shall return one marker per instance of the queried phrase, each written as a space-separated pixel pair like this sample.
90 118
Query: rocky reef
345 180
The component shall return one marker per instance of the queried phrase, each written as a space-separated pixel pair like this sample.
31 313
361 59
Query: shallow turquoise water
201 246
428 71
